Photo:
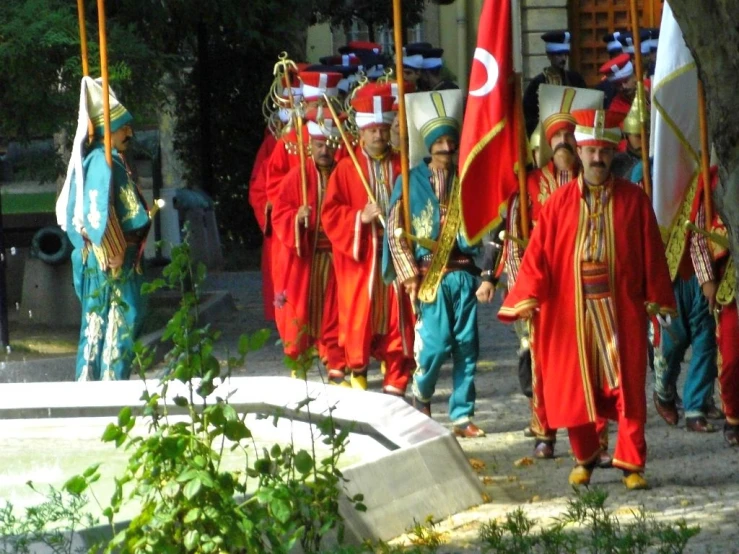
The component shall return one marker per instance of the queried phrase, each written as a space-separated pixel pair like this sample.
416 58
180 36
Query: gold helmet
632 123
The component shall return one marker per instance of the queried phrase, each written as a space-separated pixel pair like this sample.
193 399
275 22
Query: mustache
598 164
564 146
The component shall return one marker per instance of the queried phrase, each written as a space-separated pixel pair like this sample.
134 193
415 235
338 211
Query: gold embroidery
423 224
675 244
547 185
727 286
130 202
444 246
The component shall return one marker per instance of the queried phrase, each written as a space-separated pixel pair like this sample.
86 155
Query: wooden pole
83 36
105 86
641 100
353 156
523 196
705 154
403 127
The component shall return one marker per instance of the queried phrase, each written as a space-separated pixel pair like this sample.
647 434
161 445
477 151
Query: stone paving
692 476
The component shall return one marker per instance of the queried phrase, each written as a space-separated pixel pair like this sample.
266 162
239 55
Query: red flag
488 147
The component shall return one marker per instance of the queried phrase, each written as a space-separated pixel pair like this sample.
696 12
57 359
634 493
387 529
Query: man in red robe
258 202
286 155
588 287
373 319
620 72
715 273
307 313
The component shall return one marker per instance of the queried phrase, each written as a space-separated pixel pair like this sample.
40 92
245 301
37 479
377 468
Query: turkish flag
488 145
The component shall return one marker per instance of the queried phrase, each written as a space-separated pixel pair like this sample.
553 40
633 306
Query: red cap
321 124
373 89
373 111
618 68
597 127
556 122
316 84
363 45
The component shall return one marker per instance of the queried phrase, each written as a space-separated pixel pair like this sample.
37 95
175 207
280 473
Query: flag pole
105 86
83 36
520 127
403 127
705 162
640 98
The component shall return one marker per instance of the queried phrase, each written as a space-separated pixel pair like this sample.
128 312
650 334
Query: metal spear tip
398 232
160 203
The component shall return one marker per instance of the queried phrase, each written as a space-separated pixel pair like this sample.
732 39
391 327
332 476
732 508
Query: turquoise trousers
693 326
448 326
112 312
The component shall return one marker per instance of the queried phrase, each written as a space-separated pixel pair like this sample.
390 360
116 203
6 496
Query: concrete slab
419 469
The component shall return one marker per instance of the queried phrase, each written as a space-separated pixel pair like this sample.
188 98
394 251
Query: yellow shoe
383 367
635 482
359 382
346 384
580 475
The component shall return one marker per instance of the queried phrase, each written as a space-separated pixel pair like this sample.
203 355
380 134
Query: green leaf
280 510
111 433
243 344
192 488
76 485
192 515
192 538
124 416
180 401
91 470
303 462
236 431
258 339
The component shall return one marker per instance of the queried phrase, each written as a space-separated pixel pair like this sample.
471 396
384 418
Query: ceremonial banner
675 140
488 147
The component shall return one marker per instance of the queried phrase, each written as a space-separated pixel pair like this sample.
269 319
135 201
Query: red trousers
631 445
387 348
332 355
727 340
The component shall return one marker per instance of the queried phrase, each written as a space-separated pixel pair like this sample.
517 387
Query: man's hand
709 289
528 313
304 212
411 288
116 261
370 212
485 292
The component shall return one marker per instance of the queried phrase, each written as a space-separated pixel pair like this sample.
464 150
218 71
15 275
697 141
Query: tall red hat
373 111
321 124
316 84
597 127
374 89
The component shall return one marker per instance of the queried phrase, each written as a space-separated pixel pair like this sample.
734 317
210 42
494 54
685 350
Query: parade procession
392 204
371 275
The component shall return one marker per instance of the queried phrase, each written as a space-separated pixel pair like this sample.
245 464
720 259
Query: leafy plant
586 526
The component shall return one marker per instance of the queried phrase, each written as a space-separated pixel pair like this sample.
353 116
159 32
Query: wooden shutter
591 20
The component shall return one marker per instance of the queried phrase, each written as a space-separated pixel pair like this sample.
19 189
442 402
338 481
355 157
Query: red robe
299 328
549 279
258 202
357 259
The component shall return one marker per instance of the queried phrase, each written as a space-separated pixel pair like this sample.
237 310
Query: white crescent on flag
491 72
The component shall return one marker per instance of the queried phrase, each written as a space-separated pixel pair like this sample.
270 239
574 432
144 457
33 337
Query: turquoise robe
112 306
448 325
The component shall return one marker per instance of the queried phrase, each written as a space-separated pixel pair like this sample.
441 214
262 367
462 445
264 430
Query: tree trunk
710 30
206 152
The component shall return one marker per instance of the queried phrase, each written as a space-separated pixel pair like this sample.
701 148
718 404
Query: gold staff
640 100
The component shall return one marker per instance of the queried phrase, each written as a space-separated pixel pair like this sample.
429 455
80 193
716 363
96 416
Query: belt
595 280
458 262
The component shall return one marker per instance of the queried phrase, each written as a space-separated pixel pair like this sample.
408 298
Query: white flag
675 138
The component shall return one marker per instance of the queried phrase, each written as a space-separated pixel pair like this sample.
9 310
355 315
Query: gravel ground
692 476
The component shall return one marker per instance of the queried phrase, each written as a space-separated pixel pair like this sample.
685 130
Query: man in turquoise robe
107 221
436 266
